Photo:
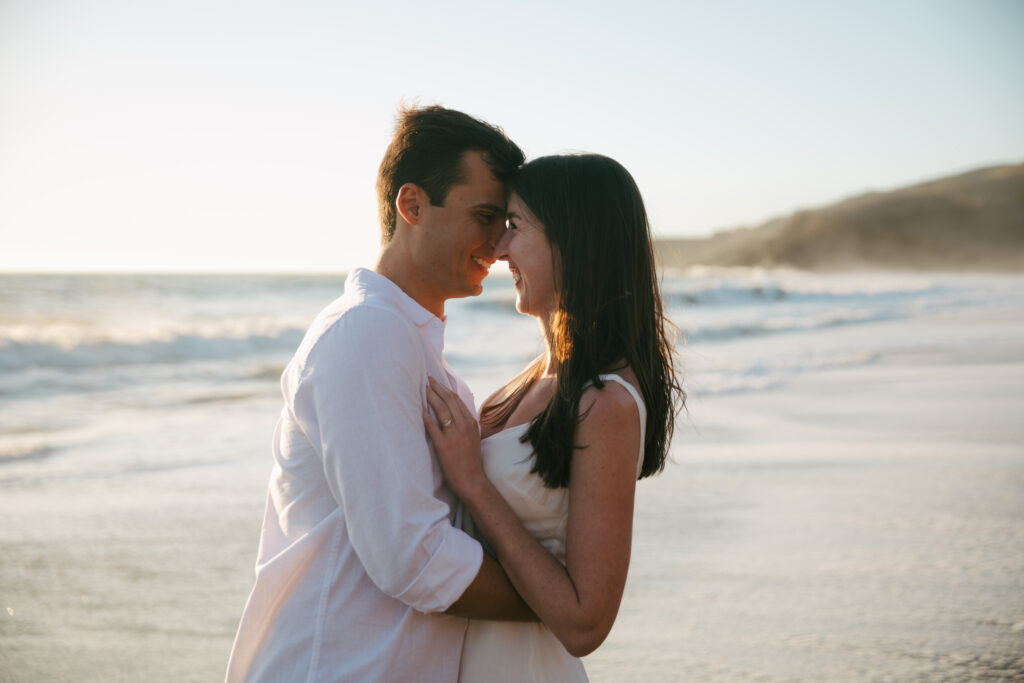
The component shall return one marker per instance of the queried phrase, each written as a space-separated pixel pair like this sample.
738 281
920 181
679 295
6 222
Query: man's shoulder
364 307
359 323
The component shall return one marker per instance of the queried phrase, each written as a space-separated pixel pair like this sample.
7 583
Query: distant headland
968 222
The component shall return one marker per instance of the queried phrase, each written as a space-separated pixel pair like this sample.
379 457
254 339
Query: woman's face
526 248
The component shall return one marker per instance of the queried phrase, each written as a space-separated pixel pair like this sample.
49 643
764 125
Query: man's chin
469 290
474 288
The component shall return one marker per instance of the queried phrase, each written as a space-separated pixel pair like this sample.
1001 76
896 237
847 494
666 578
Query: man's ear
410 203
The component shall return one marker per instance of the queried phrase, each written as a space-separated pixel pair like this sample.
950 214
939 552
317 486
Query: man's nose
501 247
496 232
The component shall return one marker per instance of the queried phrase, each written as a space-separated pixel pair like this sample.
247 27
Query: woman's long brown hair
608 314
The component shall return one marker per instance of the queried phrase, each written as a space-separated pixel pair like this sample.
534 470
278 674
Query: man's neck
396 264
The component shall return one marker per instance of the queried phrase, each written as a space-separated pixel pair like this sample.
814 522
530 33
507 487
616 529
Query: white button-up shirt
360 548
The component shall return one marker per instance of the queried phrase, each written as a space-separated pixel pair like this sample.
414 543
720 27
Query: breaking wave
68 347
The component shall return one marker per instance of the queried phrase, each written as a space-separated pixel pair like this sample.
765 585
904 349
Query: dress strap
641 408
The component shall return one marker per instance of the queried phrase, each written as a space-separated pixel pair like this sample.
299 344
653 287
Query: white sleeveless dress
498 651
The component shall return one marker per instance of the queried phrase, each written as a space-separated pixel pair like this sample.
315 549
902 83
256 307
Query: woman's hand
456 437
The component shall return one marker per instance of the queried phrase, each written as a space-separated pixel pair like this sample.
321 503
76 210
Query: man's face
457 244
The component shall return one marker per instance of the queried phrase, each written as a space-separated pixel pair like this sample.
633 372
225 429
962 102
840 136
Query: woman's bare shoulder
610 406
609 430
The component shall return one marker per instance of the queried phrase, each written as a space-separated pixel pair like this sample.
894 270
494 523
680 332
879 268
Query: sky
224 136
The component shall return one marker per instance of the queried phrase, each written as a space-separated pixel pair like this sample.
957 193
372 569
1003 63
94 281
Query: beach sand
856 524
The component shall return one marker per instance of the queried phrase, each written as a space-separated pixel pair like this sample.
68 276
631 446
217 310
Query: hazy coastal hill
972 221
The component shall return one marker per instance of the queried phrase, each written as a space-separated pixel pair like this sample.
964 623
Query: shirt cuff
456 562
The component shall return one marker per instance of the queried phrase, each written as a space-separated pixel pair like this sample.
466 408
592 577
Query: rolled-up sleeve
360 397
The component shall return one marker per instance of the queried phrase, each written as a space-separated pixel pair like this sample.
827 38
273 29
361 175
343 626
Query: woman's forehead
519 211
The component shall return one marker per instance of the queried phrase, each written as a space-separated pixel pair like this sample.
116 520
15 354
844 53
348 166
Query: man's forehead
476 167
475 161
479 188
480 195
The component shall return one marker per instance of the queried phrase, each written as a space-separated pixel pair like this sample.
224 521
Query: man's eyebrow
490 207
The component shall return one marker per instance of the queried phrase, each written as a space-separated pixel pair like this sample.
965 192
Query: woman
550 474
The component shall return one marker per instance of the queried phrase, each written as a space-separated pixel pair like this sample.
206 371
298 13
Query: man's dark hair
427 150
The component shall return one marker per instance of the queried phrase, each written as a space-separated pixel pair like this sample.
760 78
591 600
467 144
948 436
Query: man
362 572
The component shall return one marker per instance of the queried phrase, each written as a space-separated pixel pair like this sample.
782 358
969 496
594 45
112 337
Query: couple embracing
406 536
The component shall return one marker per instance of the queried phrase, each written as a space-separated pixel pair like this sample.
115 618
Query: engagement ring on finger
447 423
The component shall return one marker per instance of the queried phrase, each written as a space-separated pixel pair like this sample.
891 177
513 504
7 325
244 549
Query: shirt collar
379 286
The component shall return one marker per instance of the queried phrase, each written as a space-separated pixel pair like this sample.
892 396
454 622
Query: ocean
83 355
136 413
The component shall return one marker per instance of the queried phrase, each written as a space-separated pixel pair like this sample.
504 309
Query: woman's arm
578 601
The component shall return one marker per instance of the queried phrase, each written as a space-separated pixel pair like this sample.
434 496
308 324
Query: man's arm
360 398
491 596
